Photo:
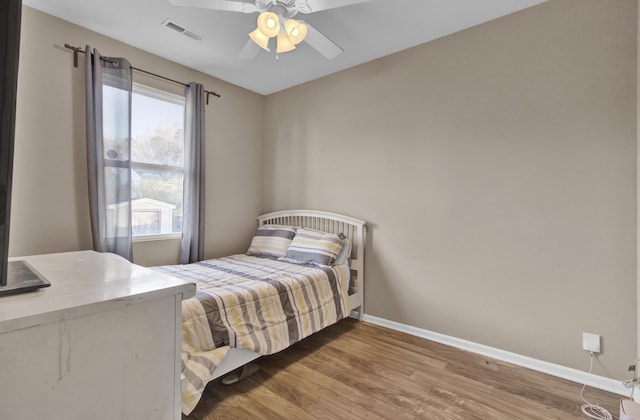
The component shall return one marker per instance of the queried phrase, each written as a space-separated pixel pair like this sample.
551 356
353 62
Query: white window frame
168 97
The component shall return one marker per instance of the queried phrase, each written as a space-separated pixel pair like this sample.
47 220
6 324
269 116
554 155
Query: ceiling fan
276 21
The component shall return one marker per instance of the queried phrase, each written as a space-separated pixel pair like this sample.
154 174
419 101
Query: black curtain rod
77 50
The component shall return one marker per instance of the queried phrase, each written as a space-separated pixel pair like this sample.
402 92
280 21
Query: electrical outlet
591 342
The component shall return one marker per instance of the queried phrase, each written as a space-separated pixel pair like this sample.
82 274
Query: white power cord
593 411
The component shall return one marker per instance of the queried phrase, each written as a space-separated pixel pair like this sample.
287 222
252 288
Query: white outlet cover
591 342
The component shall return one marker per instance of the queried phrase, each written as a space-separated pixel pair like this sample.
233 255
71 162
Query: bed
303 271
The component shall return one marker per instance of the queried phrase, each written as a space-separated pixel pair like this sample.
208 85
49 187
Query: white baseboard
575 375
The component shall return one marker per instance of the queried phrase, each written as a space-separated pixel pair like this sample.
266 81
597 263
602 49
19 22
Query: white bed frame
353 229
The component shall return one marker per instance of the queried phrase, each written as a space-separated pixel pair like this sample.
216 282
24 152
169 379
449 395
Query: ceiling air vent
180 29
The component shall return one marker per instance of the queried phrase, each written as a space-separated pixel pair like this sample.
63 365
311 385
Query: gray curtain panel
192 246
108 120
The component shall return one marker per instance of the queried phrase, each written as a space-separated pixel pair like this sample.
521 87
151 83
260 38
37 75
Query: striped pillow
271 241
313 247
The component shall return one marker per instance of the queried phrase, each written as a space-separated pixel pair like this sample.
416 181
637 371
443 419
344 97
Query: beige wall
49 203
497 169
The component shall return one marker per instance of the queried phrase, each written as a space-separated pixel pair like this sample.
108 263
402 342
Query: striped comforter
254 303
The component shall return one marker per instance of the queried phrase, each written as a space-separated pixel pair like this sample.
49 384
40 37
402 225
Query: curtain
192 245
108 121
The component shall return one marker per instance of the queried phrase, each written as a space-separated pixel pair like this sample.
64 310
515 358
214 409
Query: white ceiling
365 31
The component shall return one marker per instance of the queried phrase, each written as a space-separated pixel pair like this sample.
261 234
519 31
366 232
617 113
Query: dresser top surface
85 281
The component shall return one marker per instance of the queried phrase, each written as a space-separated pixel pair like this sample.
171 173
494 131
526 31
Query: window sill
157 237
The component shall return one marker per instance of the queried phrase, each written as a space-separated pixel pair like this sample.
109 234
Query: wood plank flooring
356 370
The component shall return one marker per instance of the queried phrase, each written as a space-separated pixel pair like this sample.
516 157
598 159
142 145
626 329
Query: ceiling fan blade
310 6
250 51
321 43
226 5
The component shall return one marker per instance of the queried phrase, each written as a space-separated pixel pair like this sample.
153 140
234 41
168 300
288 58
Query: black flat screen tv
15 276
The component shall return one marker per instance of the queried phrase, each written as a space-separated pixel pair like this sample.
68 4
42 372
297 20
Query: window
157 168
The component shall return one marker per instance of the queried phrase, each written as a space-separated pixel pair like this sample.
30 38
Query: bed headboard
352 228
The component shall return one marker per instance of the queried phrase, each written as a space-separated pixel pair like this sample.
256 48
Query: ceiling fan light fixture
260 39
296 31
269 24
284 44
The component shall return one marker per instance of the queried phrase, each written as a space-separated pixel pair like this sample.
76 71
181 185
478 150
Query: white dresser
103 342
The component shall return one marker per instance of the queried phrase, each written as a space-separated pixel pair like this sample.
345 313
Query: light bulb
269 24
297 31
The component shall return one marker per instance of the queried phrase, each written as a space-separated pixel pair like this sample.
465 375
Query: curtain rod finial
75 50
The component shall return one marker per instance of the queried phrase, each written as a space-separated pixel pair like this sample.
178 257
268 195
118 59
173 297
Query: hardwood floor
356 370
